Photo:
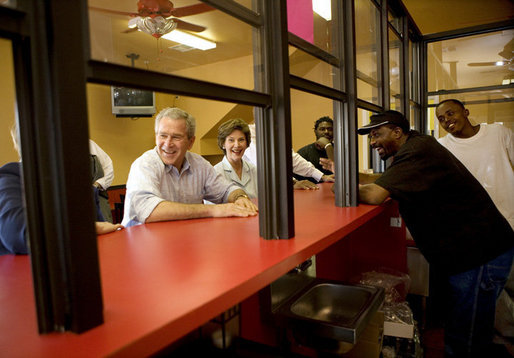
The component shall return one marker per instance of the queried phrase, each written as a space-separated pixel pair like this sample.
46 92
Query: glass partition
367 41
394 71
306 108
7 101
313 22
494 106
369 160
456 63
124 139
311 68
394 21
246 3
202 43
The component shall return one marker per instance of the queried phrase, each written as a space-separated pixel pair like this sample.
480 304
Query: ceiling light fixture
189 40
499 63
323 8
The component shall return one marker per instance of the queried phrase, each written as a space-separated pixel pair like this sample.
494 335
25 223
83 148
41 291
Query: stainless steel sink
330 309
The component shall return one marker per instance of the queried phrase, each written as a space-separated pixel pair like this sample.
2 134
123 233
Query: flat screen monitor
132 102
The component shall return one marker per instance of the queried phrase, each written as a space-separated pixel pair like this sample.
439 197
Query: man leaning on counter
170 183
454 222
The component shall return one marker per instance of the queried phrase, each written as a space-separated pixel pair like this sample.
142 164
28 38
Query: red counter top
162 280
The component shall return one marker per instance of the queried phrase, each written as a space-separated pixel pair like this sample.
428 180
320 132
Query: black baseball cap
387 117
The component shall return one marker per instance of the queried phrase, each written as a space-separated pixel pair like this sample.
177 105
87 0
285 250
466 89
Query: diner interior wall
7 103
123 139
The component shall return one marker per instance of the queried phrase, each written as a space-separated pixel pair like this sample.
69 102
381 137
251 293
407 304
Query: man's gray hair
177 113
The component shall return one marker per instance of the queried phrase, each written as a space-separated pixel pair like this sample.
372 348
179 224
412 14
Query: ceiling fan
507 53
159 17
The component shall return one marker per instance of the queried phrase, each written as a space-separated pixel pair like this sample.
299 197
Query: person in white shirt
301 166
170 183
102 178
487 151
105 161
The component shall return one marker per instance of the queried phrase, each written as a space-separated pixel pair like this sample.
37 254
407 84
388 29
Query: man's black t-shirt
312 154
450 215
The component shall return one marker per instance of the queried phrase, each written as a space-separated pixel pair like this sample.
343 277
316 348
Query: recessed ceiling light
323 8
189 40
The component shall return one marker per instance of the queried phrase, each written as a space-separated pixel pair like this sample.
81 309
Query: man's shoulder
10 176
197 160
306 149
149 160
496 129
418 139
11 169
150 155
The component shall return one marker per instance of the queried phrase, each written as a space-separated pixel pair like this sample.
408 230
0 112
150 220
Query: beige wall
7 103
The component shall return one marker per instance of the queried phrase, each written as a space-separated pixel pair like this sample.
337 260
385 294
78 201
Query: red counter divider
162 280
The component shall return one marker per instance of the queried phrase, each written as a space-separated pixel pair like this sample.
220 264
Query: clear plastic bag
395 283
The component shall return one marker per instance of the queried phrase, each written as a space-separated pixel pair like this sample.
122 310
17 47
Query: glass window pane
367 90
414 114
411 71
494 106
306 108
304 65
394 21
496 95
482 112
231 62
7 101
313 21
246 3
369 160
456 63
124 139
367 39
394 71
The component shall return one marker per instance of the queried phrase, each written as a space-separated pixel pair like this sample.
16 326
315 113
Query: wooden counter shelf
160 281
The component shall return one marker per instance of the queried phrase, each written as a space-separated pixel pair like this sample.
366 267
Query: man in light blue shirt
170 183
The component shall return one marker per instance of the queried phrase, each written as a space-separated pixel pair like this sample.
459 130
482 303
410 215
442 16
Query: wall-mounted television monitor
132 102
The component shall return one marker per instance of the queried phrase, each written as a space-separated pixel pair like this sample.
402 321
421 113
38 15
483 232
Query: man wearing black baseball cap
455 225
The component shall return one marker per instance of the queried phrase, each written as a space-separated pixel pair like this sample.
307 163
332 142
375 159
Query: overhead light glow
323 8
189 40
499 63
506 81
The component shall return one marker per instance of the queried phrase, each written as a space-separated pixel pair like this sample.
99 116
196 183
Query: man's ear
466 112
397 132
191 142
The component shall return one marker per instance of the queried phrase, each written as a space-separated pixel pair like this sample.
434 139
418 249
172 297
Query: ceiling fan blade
115 12
508 50
186 26
129 30
191 10
476 64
